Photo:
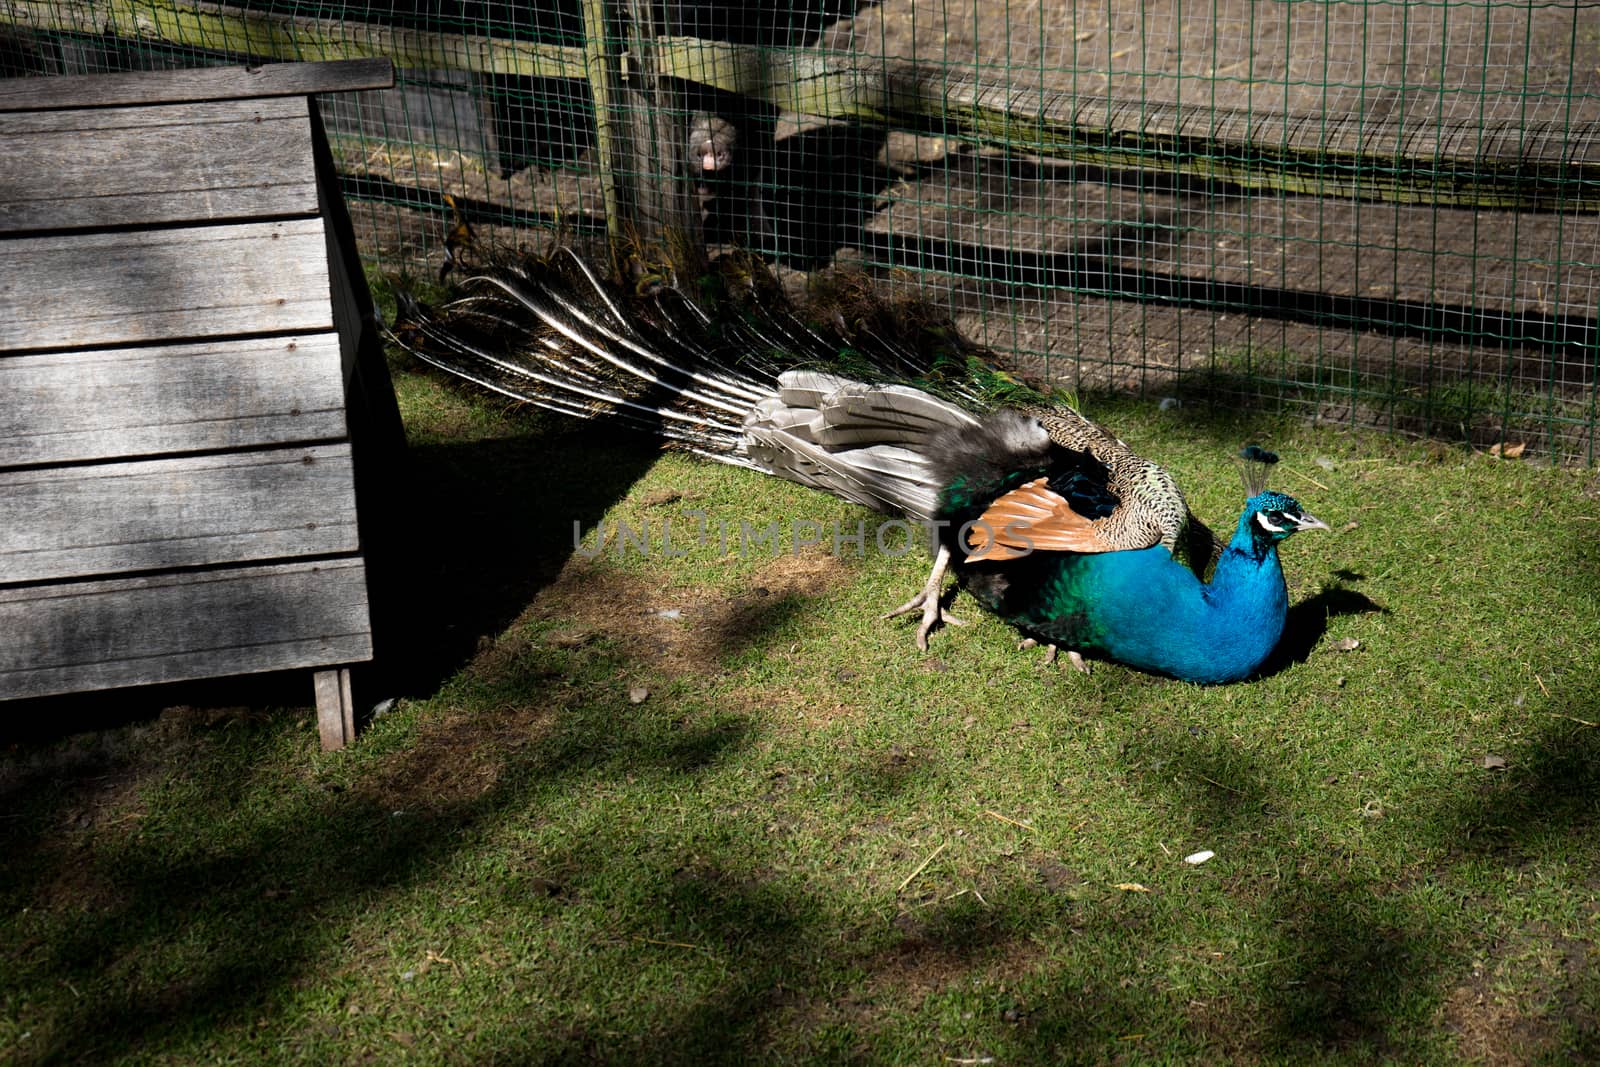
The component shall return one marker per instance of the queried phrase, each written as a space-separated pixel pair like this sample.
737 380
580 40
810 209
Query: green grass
1455 404
810 842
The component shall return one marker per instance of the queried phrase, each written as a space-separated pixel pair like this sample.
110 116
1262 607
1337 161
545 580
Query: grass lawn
708 808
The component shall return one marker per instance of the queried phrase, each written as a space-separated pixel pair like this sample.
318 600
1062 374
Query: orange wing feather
1032 517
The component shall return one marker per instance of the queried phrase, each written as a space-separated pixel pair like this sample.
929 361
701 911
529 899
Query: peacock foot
1053 650
932 614
927 601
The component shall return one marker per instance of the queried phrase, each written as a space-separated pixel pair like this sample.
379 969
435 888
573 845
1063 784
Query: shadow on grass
1354 962
489 523
1547 800
170 933
1538 819
237 884
1343 965
1308 622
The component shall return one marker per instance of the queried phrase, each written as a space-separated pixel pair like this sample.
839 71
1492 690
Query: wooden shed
186 344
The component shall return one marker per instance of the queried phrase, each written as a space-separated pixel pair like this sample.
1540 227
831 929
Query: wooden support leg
336 711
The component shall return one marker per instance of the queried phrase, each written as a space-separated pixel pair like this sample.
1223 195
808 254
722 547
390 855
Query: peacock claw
1052 650
927 601
932 613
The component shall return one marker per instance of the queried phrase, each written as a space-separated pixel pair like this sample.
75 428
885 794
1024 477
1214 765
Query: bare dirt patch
456 758
1492 1031
1512 1008
683 630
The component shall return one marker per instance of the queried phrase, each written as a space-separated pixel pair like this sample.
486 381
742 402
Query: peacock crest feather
1255 468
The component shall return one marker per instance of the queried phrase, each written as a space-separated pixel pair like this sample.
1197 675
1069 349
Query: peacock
1045 518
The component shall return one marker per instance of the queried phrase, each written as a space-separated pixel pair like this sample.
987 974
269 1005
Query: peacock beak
1307 521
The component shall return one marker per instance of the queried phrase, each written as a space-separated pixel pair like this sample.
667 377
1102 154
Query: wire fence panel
1378 213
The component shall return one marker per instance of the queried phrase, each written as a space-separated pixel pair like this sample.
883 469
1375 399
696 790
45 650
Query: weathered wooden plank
107 167
138 631
180 86
100 289
260 33
336 709
188 511
68 407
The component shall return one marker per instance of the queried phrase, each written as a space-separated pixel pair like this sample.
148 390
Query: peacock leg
928 601
1077 660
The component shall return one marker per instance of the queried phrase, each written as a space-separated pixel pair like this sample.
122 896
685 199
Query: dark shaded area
484 533
1222 785
750 618
827 188
1352 958
43 720
259 901
1550 788
21 55
540 122
1346 956
1573 339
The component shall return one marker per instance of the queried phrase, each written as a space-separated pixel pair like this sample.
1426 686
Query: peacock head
1269 516
1272 516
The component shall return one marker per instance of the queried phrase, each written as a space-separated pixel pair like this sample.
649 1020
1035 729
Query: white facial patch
1261 517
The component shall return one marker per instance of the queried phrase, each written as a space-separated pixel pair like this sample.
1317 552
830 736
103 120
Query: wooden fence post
641 123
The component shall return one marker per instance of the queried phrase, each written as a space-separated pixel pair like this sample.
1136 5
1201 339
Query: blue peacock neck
1151 612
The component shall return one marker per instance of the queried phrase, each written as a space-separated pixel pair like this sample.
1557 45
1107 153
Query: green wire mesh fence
1377 213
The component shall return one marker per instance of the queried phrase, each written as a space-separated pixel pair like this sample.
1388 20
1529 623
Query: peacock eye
1272 521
